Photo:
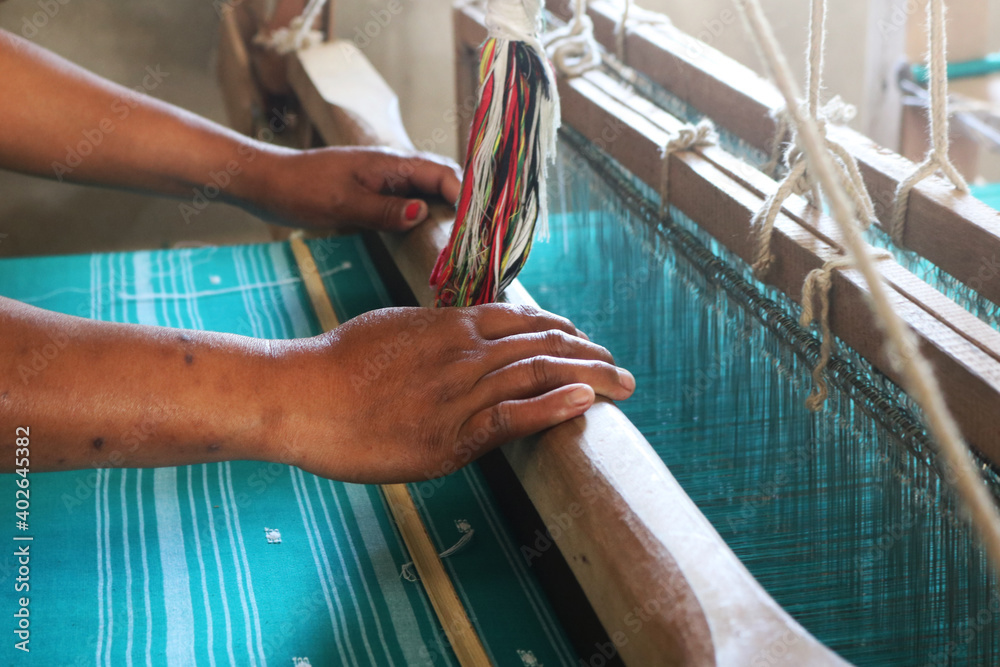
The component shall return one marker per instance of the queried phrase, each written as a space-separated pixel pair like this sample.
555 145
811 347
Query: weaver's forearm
100 394
63 122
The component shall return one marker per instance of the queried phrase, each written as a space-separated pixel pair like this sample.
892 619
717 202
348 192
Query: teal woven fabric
183 566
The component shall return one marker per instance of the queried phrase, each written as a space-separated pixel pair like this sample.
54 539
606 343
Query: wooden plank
960 234
461 633
635 540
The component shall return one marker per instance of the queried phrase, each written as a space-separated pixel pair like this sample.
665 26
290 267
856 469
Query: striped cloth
246 563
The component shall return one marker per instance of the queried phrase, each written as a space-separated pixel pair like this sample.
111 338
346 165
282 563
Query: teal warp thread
842 516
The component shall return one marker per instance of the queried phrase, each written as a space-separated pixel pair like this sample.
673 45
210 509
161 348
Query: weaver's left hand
349 188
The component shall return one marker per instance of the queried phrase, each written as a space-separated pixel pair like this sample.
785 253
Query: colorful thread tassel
512 140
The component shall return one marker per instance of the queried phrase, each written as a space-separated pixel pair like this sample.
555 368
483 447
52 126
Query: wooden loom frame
645 534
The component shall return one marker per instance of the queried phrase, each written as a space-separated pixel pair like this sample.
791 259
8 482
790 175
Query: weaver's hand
345 188
408 394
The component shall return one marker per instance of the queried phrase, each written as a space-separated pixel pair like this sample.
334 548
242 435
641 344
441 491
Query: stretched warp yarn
512 140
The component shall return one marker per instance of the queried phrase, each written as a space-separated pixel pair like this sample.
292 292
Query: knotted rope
937 157
817 286
796 180
572 48
917 376
687 137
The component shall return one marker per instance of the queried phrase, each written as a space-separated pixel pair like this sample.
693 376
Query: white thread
937 158
299 33
409 573
687 137
572 48
797 179
147 296
917 375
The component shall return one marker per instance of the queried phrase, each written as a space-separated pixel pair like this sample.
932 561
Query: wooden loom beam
636 540
722 195
960 234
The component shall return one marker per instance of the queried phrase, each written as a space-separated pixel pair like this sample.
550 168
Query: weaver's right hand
407 394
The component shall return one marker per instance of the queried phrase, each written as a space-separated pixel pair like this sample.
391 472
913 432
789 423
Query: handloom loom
725 487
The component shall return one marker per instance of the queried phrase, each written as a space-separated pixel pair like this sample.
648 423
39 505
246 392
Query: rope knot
817 286
687 138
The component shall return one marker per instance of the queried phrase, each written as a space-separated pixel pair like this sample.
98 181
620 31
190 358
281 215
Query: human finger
539 375
508 420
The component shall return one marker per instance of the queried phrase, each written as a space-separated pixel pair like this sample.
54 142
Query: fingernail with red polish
412 211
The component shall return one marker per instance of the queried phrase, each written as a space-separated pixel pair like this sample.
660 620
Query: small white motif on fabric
529 659
215 280
301 662
273 536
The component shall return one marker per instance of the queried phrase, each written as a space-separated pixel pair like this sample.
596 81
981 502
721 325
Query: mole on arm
98 443
189 359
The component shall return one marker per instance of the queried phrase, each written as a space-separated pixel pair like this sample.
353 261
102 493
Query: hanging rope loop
797 179
937 158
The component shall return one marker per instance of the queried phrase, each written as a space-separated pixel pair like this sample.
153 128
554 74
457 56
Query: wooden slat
635 539
461 633
960 234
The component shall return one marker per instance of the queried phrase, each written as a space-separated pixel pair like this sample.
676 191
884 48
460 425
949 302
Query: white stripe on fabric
347 577
325 562
218 565
206 602
376 549
100 565
237 567
145 568
176 586
246 565
319 568
106 536
130 632
293 305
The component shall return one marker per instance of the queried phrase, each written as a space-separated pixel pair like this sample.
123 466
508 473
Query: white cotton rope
573 49
817 286
917 375
299 33
797 179
937 157
687 138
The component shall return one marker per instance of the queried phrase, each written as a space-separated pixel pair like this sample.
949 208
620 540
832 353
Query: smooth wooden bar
958 233
634 540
